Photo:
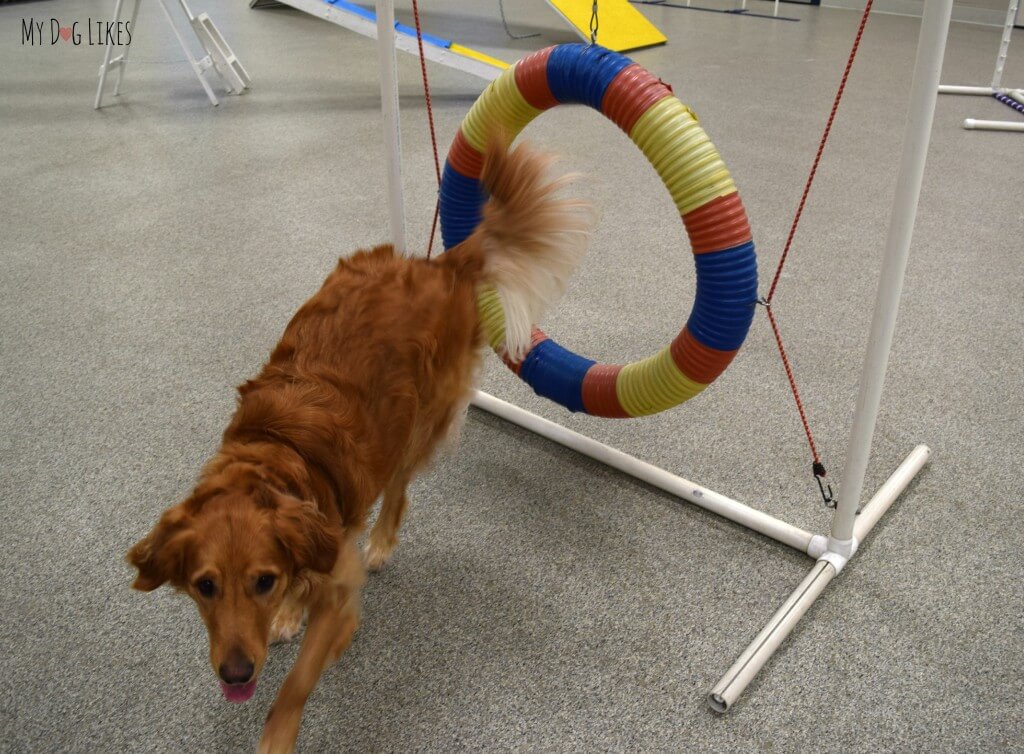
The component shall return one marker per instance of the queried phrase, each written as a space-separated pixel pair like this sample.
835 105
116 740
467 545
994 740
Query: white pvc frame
996 87
848 529
219 57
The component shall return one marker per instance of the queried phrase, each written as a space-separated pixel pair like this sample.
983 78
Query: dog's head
236 553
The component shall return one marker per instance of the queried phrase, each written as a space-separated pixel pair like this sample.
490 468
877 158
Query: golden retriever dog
372 374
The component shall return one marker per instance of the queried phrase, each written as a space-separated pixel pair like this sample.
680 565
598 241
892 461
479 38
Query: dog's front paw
286 625
278 735
377 553
281 728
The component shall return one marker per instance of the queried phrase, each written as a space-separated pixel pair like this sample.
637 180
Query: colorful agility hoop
669 135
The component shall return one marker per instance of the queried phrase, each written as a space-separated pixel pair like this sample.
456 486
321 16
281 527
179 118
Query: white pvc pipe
924 89
985 91
757 653
994 125
196 68
392 124
106 59
188 11
997 73
886 495
1004 44
124 55
703 497
742 672
982 91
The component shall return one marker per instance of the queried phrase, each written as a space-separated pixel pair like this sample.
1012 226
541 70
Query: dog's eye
205 587
265 583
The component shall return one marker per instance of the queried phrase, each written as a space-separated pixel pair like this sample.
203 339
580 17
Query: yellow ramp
476 55
621 27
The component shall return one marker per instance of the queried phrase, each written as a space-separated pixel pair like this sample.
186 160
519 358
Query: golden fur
371 375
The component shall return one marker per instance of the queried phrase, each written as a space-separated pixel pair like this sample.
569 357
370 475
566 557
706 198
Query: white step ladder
219 58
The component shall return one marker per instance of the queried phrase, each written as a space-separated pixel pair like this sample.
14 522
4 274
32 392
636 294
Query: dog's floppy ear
305 534
160 556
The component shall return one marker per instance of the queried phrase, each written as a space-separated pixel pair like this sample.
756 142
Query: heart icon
65 33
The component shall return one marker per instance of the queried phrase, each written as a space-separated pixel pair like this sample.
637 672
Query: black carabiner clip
826 489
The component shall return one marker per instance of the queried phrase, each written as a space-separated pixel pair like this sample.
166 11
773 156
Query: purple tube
1009 101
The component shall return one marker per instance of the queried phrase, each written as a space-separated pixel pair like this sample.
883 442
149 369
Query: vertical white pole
1004 45
931 47
392 125
124 55
106 59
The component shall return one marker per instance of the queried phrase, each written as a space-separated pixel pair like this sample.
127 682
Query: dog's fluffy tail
529 241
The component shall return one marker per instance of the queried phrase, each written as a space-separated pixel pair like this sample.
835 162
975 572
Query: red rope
430 120
819 469
792 383
433 226
821 149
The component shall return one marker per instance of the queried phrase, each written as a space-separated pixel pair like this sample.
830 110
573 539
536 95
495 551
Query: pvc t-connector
834 551
839 552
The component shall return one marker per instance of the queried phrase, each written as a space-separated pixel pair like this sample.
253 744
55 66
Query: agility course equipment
587 76
740 10
1009 96
668 134
350 16
623 28
219 58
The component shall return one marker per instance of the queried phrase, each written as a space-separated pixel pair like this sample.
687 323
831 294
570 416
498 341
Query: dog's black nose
236 671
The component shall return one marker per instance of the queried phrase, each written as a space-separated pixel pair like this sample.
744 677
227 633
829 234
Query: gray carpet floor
152 252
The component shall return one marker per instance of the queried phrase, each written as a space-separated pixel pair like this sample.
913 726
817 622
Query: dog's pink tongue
238 692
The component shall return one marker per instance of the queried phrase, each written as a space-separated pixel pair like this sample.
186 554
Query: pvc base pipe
993 125
703 497
888 492
754 657
738 677
985 91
